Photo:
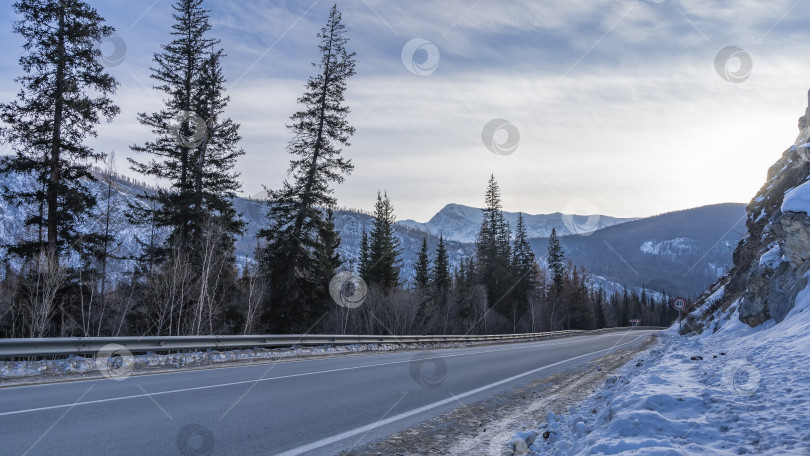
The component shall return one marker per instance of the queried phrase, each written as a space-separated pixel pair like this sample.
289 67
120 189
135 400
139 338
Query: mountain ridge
655 252
460 222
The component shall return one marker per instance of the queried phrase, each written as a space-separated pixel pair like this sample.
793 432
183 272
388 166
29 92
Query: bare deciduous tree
255 289
46 278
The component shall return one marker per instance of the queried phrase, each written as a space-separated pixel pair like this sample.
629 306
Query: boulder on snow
754 301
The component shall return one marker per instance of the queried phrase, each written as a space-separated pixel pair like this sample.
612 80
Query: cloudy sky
622 107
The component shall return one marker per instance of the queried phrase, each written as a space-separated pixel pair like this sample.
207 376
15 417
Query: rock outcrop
771 261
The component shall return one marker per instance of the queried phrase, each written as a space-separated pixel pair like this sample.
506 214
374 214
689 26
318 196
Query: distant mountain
461 223
682 251
350 225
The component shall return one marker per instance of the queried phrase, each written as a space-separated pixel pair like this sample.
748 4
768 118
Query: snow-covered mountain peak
461 223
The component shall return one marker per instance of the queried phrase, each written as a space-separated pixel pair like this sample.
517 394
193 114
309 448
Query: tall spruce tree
64 94
524 269
362 262
384 252
598 308
556 268
422 267
297 210
493 250
440 273
555 262
195 146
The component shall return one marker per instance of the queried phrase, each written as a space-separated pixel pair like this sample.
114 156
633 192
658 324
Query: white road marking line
263 362
56 422
356 431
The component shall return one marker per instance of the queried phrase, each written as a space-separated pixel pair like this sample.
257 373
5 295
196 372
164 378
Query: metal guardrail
21 348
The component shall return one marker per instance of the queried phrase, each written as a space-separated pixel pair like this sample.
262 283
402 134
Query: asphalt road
311 407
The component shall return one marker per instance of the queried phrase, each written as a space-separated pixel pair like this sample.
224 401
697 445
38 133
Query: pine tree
493 250
213 162
459 274
363 261
326 256
524 268
297 210
465 284
422 267
196 145
579 313
64 94
440 284
440 273
384 248
624 309
598 308
555 262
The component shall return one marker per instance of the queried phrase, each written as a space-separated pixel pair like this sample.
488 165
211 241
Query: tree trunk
305 200
56 140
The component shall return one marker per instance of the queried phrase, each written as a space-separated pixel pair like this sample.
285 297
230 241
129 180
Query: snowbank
78 365
737 390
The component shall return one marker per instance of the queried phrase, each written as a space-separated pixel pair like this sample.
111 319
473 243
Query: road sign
679 304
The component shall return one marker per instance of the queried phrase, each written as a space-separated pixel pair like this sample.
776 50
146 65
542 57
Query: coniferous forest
185 279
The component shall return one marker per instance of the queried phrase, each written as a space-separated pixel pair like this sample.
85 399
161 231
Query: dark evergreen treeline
186 280
503 288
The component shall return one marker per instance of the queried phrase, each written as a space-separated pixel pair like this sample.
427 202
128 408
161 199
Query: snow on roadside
737 390
79 365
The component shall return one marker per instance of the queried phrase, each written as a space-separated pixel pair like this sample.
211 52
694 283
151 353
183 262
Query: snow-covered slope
671 247
124 192
461 223
112 204
739 390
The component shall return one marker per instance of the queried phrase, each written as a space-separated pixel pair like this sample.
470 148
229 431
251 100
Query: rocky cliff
771 261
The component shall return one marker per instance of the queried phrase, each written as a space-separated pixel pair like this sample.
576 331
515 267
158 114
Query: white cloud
617 103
